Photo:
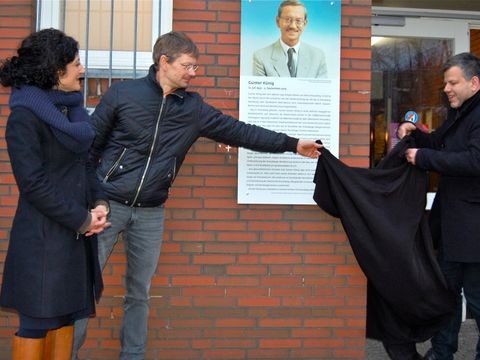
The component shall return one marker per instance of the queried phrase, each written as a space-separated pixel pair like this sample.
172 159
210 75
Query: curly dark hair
41 58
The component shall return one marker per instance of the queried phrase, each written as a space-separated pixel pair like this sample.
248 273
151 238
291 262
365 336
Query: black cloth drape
382 211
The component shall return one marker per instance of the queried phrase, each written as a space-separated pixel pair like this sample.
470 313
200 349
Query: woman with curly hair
51 275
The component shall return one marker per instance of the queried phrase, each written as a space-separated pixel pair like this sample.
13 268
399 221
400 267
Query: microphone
411 116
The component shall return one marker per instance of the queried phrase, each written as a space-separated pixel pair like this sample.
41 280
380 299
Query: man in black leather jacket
144 129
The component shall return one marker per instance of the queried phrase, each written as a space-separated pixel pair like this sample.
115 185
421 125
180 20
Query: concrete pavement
467 342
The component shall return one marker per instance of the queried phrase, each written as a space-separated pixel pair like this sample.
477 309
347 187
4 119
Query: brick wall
16 22
234 281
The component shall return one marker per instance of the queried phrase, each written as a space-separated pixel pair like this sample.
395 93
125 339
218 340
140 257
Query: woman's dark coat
453 151
50 269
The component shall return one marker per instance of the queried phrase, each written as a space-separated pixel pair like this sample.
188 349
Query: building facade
234 281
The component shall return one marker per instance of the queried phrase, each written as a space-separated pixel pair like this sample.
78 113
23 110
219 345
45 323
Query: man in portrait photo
288 56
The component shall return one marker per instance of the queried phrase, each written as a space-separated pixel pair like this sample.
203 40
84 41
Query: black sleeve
228 130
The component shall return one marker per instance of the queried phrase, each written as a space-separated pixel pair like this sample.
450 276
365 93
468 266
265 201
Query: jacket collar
152 80
455 115
468 105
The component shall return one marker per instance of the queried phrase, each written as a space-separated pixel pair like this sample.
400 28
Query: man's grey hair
467 62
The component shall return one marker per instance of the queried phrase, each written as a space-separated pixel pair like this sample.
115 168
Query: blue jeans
458 275
142 233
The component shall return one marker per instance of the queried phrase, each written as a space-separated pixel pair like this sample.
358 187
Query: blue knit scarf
75 131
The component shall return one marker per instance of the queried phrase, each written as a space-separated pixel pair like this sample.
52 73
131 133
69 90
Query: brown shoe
58 344
26 348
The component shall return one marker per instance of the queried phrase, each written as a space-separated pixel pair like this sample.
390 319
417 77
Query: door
407 76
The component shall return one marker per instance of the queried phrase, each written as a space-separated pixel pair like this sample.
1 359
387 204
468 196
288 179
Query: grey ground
466 344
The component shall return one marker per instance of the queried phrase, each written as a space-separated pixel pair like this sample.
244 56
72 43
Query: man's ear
162 61
475 81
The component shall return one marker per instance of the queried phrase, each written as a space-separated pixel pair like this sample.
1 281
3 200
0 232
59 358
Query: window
116 37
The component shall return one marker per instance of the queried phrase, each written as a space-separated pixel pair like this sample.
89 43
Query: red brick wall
16 22
235 281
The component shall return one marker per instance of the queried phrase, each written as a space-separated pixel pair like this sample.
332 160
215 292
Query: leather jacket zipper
152 147
174 170
115 165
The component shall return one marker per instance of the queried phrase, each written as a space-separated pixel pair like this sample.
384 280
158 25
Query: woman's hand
99 220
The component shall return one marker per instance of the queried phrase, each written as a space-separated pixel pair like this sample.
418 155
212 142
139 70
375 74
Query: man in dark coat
453 151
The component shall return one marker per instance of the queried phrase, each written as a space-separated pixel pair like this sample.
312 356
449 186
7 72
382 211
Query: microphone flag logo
411 116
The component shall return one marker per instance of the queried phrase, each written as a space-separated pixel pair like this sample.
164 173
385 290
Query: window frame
50 15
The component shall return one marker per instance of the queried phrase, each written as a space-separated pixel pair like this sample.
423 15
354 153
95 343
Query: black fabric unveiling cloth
382 211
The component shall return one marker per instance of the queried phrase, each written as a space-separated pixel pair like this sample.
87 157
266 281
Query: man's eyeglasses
189 67
289 20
